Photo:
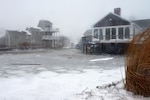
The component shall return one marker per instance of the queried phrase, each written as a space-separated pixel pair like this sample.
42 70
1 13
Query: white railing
46 37
51 30
112 40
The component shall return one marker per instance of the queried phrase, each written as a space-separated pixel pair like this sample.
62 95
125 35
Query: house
112 33
36 39
86 39
17 39
44 35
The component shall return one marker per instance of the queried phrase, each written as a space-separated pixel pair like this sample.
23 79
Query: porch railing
46 37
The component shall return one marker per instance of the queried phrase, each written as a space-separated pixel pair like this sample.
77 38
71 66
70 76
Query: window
120 34
100 34
107 34
96 33
113 33
127 33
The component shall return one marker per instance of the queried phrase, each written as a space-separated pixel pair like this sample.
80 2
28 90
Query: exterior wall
43 38
17 39
2 42
136 29
51 39
114 43
86 39
36 39
45 25
47 28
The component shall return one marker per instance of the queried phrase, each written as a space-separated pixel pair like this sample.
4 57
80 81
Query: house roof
111 19
44 23
144 23
18 32
88 32
27 32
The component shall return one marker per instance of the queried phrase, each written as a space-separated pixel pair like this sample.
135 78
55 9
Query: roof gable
88 32
111 20
144 23
15 32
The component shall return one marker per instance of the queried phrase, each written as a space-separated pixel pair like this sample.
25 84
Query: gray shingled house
17 39
112 33
44 35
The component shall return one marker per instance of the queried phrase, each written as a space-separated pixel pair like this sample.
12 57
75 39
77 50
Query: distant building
44 35
112 32
17 39
36 38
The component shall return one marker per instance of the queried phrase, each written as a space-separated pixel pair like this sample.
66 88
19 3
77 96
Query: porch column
104 34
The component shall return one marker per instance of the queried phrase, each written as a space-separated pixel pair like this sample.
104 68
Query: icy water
55 74
60 61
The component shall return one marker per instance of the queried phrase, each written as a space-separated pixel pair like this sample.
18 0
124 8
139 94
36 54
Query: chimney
117 11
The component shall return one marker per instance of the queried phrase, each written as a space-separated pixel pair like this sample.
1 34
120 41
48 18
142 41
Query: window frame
96 33
127 33
113 35
121 34
101 34
107 34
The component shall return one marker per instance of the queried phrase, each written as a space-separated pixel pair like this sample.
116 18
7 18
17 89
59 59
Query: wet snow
60 75
101 59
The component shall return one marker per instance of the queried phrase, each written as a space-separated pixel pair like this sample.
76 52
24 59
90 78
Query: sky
72 17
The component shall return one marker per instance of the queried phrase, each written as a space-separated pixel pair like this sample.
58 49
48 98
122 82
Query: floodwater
18 63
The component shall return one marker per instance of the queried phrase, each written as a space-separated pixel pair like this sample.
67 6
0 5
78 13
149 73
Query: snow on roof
28 33
34 28
18 32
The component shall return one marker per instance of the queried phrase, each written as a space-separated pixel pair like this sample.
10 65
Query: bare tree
64 41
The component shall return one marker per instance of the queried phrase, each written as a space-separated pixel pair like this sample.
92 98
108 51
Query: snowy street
55 74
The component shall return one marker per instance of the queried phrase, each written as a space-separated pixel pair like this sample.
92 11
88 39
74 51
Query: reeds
137 66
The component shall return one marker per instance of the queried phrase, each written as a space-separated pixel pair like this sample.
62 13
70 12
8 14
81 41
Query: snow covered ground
62 75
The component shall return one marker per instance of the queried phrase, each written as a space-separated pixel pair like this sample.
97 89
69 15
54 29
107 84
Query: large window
113 31
96 33
120 34
100 34
127 32
107 37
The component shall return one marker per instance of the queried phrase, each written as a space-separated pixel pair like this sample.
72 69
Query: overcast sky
72 17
